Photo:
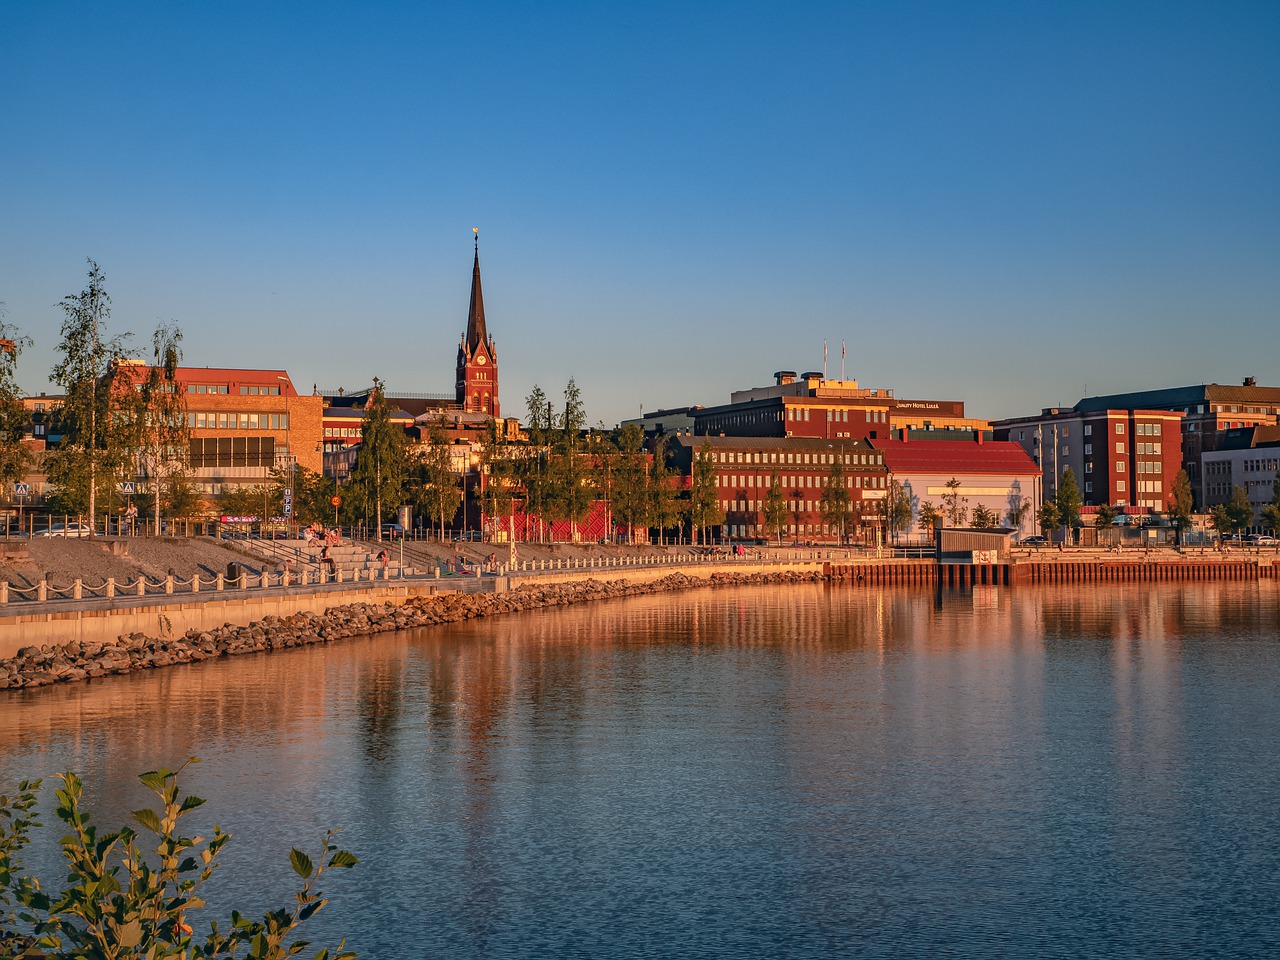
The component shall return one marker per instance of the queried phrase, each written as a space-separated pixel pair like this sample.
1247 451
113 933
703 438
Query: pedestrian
384 558
328 561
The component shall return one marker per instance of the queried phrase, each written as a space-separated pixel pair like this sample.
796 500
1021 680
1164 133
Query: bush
120 905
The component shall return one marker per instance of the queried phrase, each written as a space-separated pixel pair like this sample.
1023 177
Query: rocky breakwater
71 662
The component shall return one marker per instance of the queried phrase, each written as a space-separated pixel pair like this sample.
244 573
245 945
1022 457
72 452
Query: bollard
168 584
195 583
4 591
218 583
142 586
77 589
42 590
266 578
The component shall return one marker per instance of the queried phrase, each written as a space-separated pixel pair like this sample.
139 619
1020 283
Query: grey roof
1178 398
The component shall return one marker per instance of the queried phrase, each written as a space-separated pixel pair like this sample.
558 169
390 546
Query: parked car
1260 540
468 535
392 531
1034 541
66 530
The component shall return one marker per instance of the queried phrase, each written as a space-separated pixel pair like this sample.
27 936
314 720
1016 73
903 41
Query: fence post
266 578
4 591
42 591
111 587
142 585
77 589
218 583
168 584
195 583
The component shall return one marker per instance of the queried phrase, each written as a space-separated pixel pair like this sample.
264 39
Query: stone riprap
65 663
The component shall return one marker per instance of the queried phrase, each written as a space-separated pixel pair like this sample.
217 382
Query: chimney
905 438
979 433
1250 381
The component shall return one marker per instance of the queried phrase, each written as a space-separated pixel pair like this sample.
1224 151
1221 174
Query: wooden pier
1019 573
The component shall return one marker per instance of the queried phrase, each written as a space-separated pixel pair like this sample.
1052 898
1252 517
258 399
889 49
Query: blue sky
1011 204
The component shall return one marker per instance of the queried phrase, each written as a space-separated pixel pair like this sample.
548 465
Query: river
804 771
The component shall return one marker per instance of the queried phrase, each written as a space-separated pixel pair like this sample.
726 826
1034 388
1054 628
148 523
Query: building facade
1127 458
477 379
744 470
1249 458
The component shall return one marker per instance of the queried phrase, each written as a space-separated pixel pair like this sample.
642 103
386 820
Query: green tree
1180 504
433 484
1048 517
381 466
1270 514
954 507
1068 500
157 423
1103 519
775 505
131 893
929 517
896 506
704 507
834 504
1016 515
631 498
664 508
90 455
14 460
984 518
1238 511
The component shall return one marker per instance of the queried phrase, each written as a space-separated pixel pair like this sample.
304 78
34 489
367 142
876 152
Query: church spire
476 332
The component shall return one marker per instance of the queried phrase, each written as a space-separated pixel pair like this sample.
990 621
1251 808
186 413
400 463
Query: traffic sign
21 490
288 509
288 494
127 488
336 501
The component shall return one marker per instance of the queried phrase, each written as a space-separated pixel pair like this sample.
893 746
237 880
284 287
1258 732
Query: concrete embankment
79 660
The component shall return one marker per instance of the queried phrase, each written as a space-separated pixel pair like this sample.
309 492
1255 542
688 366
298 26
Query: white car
66 530
1260 540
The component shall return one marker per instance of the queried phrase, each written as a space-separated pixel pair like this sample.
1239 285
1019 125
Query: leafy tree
1271 512
1103 519
575 414
834 503
381 465
775 505
497 471
897 508
631 498
90 456
120 900
954 507
14 459
704 506
664 511
1238 510
433 484
1016 515
157 420
929 517
1048 517
1068 500
984 518
1180 504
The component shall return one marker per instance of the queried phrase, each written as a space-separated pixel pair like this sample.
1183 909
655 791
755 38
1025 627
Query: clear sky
1007 203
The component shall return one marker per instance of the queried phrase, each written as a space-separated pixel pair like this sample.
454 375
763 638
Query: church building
477 383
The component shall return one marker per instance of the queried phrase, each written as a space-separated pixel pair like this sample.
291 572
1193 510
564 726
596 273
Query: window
1088 449
1119 466
1088 466
1088 486
1119 446
1088 430
1119 486
1119 428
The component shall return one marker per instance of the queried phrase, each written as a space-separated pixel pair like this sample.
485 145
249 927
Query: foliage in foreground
121 904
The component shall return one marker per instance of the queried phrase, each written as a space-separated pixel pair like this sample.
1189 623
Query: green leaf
190 803
343 858
306 912
301 863
155 779
129 935
148 818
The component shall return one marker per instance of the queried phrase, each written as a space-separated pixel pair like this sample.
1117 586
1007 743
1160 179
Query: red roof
956 457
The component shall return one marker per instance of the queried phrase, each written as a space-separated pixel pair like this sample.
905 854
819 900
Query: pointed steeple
476 332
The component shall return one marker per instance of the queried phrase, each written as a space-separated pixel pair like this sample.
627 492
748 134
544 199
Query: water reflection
804 771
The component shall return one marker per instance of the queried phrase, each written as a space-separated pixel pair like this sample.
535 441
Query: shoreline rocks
35 667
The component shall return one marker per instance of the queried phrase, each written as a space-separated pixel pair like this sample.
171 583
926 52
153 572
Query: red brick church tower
477 362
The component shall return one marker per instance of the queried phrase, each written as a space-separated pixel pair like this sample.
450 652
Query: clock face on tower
480 359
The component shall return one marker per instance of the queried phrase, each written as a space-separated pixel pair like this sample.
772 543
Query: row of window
245 391
799 480
813 459
233 452
238 421
344 432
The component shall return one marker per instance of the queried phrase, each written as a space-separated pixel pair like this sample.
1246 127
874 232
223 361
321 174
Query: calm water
799 772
